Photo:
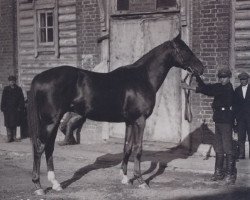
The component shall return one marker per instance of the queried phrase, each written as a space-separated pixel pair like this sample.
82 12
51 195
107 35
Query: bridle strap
188 112
178 53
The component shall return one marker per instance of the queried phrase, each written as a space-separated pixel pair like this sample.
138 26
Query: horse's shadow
202 135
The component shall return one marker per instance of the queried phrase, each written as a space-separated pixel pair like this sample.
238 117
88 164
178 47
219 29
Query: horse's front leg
138 137
128 144
49 149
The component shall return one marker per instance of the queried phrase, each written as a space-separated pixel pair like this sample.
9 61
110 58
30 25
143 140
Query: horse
126 94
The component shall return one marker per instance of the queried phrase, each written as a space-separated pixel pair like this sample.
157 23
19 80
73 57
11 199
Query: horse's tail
34 120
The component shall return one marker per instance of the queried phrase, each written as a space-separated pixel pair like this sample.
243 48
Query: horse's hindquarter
55 90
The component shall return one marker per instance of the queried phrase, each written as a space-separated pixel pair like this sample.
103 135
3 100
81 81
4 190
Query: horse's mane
141 61
153 52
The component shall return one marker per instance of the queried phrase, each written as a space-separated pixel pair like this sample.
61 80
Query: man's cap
224 72
243 76
12 78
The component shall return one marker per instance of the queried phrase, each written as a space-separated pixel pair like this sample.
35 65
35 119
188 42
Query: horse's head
184 58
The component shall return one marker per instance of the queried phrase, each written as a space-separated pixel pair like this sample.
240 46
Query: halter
188 112
177 52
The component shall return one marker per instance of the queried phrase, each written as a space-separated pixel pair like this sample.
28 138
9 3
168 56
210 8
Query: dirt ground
92 175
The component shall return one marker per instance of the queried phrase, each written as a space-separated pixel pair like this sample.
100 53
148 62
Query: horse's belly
107 116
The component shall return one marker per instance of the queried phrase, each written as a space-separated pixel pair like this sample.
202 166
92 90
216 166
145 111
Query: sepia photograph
125 99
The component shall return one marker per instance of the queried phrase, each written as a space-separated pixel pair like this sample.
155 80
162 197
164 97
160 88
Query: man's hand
186 86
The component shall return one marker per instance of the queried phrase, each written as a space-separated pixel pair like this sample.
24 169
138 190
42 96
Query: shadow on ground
202 135
235 194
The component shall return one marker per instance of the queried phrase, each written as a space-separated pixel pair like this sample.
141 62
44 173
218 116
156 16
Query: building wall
88 30
241 38
210 35
88 54
31 60
7 40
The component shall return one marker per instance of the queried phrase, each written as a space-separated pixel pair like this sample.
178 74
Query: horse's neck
157 64
156 78
157 71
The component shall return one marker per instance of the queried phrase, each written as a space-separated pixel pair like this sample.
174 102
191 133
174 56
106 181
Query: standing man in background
12 106
242 112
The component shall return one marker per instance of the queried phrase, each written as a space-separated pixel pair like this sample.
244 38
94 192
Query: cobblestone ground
97 178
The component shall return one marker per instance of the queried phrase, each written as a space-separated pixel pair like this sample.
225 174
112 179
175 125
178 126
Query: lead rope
188 112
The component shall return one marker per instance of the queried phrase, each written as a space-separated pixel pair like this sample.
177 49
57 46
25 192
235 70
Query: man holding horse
223 118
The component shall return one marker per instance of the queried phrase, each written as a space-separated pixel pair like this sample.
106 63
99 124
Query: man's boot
72 140
68 140
231 171
242 150
218 171
9 135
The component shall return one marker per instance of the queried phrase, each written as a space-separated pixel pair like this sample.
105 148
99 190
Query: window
146 5
46 28
122 4
166 4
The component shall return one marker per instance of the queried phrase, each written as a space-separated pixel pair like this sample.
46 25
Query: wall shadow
202 135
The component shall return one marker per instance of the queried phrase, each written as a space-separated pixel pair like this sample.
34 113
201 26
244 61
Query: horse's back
55 73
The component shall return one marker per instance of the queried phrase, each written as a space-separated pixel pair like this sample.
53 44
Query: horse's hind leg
38 149
138 137
49 149
128 144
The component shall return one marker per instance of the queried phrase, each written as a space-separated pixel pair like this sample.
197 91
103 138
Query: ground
92 172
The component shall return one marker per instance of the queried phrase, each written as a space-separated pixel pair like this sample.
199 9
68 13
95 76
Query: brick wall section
88 53
211 43
88 30
8 40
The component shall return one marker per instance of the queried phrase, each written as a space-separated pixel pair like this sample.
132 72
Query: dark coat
241 106
223 99
12 106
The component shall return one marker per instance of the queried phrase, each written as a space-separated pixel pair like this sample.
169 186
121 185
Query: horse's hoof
39 192
57 187
125 180
144 186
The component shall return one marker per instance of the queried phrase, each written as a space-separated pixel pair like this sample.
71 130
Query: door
129 40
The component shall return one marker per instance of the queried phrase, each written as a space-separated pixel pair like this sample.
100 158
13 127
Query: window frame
115 10
46 27
47 47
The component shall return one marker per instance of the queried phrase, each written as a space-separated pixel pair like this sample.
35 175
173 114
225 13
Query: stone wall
88 30
7 40
88 54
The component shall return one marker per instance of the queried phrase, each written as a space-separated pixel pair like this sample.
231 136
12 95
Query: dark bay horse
126 94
